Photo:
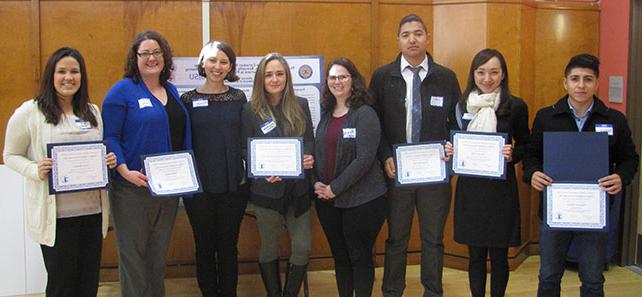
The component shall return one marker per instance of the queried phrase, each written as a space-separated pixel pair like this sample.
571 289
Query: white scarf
483 108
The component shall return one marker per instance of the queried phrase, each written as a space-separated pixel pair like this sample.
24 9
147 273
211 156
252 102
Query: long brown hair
295 122
47 98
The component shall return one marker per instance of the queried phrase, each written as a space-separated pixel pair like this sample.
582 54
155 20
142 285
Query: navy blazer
623 159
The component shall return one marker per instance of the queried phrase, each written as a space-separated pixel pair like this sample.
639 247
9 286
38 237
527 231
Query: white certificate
420 164
281 157
77 166
479 154
576 206
171 174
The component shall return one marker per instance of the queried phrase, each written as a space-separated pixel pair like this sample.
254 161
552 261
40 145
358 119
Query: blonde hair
295 122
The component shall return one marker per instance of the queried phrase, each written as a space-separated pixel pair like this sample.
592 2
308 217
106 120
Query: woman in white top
69 227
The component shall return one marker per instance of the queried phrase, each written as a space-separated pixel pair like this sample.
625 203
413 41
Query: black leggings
352 233
216 223
477 270
73 263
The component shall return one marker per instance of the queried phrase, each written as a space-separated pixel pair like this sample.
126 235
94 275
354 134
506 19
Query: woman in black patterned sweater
216 214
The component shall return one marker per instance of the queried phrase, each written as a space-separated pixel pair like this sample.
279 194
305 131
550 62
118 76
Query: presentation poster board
307 77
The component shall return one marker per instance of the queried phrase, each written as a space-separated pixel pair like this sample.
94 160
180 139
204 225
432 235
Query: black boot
294 276
271 278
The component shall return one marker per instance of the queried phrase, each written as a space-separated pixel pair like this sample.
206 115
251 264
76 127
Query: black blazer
389 90
358 177
251 127
623 159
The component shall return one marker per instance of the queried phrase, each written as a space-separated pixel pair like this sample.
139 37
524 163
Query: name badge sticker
468 116
608 128
437 101
144 102
268 126
349 132
84 125
200 102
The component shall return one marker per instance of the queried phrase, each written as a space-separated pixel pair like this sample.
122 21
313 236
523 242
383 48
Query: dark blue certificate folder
578 157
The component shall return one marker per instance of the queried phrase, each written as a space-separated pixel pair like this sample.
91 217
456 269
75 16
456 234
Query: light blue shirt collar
580 120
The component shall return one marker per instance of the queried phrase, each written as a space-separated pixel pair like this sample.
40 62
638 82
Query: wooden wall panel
505 33
559 35
460 32
389 16
527 58
18 74
327 29
104 31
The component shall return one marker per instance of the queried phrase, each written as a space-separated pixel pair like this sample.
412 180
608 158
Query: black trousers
498 270
73 263
216 223
351 233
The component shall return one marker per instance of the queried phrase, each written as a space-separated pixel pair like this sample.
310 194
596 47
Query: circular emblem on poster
305 71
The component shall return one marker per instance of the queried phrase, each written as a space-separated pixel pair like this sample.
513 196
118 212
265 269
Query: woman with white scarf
487 210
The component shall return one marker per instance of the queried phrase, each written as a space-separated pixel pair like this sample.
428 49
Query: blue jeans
591 257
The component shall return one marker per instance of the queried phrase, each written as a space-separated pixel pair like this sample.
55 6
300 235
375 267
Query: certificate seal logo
305 71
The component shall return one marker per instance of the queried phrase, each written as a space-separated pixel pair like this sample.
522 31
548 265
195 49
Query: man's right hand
539 180
390 167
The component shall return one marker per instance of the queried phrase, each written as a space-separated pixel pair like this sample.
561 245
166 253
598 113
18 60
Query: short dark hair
47 98
411 18
131 65
359 95
583 61
229 52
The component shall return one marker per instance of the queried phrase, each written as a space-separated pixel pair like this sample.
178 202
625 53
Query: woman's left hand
308 161
110 160
507 151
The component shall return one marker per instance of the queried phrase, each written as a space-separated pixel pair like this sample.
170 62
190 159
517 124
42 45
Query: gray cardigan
358 174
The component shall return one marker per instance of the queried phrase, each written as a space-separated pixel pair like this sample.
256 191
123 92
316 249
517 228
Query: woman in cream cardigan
69 227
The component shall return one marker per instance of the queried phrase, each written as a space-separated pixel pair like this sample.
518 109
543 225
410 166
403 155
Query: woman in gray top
349 180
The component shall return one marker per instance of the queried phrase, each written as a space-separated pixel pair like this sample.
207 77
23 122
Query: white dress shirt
407 76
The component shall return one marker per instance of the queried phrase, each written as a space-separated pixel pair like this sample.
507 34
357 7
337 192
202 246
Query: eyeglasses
146 55
341 78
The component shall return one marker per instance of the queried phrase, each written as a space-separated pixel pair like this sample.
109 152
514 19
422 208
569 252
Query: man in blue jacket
414 98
